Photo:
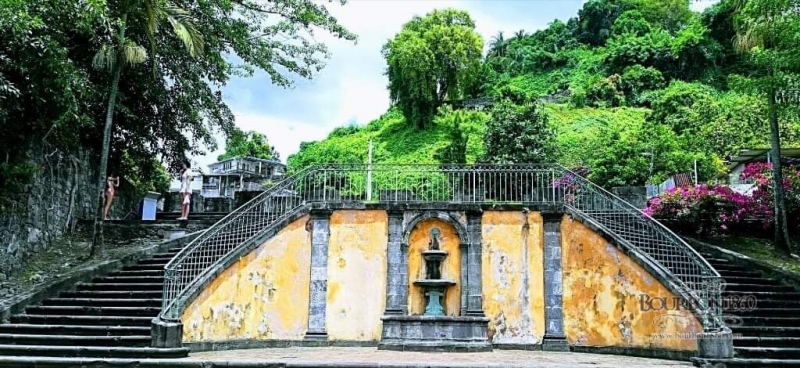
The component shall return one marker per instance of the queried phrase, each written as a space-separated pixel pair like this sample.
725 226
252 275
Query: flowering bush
710 210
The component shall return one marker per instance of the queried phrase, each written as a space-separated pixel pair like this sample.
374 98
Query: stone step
758 288
101 302
720 261
129 280
750 280
775 303
70 340
82 286
767 331
770 321
746 363
81 320
726 274
775 342
145 267
166 255
728 267
94 311
91 351
9 328
767 353
137 273
153 262
107 294
759 295
762 312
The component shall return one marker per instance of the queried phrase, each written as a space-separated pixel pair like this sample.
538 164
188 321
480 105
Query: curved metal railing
698 280
420 183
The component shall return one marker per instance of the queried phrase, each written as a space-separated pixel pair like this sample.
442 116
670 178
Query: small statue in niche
432 266
434 243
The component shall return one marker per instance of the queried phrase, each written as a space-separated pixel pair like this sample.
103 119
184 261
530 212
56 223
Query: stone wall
60 193
637 196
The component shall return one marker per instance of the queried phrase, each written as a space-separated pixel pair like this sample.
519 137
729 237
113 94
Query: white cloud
352 86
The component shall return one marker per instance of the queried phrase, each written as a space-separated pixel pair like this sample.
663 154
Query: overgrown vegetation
618 81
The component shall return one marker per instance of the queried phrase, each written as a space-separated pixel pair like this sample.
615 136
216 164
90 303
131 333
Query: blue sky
352 87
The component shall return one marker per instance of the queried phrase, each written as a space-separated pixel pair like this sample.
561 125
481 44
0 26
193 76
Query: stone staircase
769 329
109 317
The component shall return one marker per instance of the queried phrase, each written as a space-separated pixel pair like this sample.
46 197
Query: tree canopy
433 58
249 144
50 92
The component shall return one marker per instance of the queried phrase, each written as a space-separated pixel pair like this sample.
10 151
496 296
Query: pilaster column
397 267
554 338
474 287
320 234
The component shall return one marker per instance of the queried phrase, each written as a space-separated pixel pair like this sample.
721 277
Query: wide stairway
109 317
768 317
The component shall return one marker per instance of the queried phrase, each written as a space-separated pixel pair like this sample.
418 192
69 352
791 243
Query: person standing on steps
186 190
111 183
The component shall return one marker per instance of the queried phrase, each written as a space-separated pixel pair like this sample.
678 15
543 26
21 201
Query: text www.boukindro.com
688 336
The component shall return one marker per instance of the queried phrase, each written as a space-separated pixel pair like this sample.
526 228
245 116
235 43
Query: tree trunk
97 236
781 226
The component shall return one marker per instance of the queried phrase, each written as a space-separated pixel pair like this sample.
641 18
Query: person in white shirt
186 190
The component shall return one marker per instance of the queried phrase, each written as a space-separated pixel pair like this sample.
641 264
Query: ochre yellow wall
418 241
512 276
263 296
601 297
357 274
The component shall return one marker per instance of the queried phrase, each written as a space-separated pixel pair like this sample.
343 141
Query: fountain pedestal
434 330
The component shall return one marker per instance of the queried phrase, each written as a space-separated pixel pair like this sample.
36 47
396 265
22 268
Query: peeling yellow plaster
418 241
512 276
602 286
263 296
356 274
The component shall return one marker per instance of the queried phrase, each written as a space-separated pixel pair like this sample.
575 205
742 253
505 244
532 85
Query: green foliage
433 58
249 144
518 134
456 150
49 90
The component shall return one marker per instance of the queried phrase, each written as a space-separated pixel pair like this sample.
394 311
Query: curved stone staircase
770 332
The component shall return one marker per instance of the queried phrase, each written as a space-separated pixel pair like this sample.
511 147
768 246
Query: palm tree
498 44
765 29
122 51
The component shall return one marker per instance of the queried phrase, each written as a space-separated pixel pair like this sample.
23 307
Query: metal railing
701 283
475 184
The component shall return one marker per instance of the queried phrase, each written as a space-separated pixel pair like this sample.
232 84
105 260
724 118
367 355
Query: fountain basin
434 283
434 255
435 333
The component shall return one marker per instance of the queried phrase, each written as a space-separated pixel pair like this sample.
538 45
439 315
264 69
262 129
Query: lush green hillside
616 81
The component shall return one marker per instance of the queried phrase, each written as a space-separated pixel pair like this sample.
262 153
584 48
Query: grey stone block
715 345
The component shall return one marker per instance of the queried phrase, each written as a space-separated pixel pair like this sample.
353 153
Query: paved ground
371 357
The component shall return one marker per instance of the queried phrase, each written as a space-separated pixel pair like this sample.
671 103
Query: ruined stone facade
542 279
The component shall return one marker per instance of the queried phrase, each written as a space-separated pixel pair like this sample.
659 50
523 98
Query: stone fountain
436 329
433 284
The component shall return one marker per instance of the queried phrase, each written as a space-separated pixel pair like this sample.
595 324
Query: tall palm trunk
781 226
97 233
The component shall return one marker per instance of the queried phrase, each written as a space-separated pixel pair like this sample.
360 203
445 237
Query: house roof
758 154
250 158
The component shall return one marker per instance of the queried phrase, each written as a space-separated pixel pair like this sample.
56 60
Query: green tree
433 58
456 150
249 144
518 134
121 50
768 32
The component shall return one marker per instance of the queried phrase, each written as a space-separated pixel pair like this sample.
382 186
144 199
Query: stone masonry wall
60 193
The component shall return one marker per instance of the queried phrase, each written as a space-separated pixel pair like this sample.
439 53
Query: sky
352 86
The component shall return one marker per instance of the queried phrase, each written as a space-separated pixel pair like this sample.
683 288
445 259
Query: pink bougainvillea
719 209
